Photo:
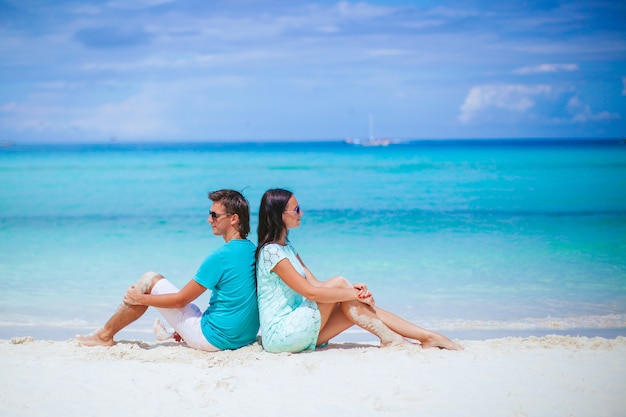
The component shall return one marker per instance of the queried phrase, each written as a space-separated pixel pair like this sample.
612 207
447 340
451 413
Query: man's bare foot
94 339
160 331
441 342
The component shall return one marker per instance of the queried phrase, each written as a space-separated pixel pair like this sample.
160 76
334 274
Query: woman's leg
334 322
337 317
407 329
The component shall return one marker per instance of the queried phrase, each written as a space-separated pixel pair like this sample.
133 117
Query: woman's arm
294 280
363 291
186 295
309 275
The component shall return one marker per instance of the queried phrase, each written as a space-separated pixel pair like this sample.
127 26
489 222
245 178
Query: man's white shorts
186 321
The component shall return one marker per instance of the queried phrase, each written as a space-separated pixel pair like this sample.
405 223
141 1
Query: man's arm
180 299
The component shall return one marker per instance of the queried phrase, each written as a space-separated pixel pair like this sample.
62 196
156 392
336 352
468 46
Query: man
231 320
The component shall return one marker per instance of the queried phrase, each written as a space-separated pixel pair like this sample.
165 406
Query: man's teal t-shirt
232 317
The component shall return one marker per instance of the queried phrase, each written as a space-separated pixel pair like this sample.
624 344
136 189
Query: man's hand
132 296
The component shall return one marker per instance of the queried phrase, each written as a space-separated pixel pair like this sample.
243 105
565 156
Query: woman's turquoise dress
289 322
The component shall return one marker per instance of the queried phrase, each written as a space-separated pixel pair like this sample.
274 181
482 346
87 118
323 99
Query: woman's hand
132 296
368 300
364 295
363 291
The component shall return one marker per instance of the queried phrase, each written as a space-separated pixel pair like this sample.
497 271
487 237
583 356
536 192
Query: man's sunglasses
216 216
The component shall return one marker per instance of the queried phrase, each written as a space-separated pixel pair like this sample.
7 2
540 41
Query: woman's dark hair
234 203
271 225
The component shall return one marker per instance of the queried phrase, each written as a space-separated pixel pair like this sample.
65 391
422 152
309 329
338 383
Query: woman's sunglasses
296 210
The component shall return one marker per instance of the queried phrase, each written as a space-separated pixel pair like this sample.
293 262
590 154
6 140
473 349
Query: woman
297 312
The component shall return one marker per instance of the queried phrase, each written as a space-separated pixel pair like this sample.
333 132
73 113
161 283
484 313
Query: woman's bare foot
441 342
395 341
94 339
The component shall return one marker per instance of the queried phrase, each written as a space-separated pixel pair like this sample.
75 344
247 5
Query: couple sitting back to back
297 312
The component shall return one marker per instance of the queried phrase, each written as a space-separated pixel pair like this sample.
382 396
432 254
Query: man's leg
123 316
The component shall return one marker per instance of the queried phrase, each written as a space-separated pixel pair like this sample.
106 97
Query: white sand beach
537 376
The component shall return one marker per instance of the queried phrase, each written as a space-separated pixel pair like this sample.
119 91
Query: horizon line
11 143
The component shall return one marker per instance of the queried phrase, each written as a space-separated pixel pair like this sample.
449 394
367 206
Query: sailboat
372 141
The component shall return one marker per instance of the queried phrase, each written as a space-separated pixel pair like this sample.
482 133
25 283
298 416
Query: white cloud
545 68
8 108
583 113
136 4
423 24
143 115
350 49
361 10
100 9
140 115
85 9
514 98
483 101
387 52
327 28
188 62
31 117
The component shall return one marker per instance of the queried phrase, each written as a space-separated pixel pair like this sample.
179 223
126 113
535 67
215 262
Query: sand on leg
337 317
409 330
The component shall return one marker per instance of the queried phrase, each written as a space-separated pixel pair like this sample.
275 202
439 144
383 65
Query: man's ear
234 219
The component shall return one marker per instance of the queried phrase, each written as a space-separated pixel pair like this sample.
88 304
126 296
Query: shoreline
144 333
550 375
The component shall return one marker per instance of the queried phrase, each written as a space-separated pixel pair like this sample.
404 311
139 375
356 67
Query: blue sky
241 70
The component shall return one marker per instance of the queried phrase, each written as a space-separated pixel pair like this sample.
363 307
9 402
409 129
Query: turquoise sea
475 239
